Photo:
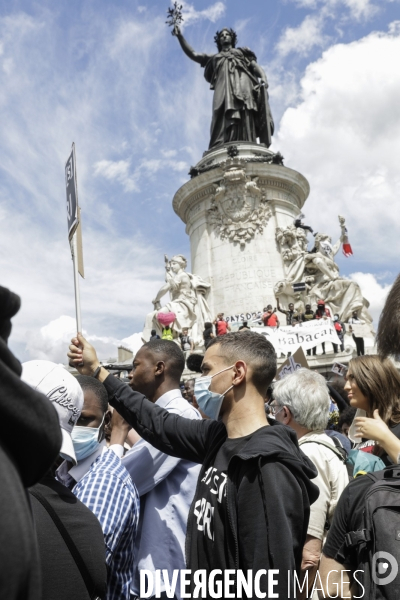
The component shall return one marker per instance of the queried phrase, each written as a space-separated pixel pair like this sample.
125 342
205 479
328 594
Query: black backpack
377 545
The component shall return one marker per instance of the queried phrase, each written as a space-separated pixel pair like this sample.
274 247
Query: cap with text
63 390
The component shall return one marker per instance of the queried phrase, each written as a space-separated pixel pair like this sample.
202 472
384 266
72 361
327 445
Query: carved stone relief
239 208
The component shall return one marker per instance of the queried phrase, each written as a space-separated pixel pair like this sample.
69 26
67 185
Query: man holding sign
354 322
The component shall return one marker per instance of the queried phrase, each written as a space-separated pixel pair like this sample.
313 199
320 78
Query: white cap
63 390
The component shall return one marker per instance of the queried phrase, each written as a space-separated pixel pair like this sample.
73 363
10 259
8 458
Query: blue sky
111 78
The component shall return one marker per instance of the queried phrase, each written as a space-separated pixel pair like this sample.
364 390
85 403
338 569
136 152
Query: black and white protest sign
72 193
339 369
299 287
74 231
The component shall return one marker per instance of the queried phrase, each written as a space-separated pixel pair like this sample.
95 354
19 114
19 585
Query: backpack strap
339 445
353 538
335 449
90 586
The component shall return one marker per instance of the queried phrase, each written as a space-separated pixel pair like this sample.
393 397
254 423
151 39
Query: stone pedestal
231 207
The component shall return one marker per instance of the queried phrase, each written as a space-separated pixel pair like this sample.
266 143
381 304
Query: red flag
347 249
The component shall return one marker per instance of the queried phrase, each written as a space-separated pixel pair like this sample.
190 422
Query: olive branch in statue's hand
175 17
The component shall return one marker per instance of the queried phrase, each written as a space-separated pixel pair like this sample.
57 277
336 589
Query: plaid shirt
108 491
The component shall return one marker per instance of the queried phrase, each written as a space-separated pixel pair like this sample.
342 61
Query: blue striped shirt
107 489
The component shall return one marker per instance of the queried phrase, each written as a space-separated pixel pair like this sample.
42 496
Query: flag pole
74 253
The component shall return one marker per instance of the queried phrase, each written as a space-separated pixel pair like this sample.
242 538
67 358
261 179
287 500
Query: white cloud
122 275
121 170
179 166
361 8
133 342
375 292
344 136
212 13
118 170
118 85
52 340
169 153
310 34
358 9
303 38
100 98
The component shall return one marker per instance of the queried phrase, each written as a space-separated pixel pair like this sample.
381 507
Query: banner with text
307 335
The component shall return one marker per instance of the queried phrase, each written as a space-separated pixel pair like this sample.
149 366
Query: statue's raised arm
241 110
188 50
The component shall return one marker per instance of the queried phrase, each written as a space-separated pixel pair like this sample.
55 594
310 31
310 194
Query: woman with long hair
373 384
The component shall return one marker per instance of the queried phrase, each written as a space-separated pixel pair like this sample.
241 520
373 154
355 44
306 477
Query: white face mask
209 402
86 440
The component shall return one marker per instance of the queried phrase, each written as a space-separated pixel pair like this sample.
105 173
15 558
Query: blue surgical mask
209 402
86 440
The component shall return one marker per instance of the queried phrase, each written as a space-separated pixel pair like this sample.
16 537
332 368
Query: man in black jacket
253 496
30 439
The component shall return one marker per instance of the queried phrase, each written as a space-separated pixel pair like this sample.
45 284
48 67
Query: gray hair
306 394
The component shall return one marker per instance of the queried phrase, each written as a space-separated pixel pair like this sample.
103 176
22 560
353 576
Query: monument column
236 199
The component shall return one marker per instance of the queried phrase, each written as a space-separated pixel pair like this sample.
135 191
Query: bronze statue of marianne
241 109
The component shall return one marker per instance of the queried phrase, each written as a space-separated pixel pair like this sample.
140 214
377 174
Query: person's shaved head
168 352
254 349
159 363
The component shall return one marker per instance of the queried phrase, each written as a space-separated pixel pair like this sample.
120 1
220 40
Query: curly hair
231 32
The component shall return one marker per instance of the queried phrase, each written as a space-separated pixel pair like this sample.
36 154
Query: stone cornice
270 177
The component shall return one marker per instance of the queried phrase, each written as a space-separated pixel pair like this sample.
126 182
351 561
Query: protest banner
249 316
307 335
362 330
292 364
74 229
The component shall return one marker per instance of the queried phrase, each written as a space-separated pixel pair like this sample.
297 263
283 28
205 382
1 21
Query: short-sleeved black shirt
348 517
211 510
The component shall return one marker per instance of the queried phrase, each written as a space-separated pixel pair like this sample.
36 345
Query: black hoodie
30 439
268 489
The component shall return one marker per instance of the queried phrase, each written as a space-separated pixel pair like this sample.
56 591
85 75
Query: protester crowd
294 315
103 481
